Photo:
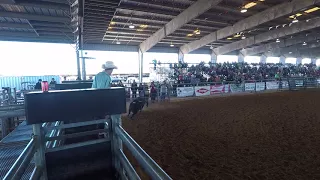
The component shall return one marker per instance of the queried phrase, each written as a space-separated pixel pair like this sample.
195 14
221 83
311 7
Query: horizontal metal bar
127 166
78 124
75 145
147 163
15 113
22 162
76 134
52 134
12 107
36 173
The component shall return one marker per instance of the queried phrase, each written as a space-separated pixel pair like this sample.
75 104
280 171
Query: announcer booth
78 151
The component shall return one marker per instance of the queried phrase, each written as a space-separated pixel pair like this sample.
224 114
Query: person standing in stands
38 85
153 92
141 90
134 88
163 91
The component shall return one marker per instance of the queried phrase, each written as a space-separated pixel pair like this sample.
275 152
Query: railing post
116 143
39 157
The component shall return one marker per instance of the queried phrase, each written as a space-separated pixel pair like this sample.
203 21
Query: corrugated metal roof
16 29
16 20
13 8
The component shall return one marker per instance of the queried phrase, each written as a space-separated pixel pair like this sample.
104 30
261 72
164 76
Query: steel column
213 58
240 58
180 56
263 59
39 157
282 60
314 60
140 54
78 65
299 60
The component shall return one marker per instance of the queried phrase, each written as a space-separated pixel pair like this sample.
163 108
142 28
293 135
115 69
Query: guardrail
146 162
113 133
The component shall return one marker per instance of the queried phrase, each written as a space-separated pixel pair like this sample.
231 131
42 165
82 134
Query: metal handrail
127 166
147 163
19 166
14 113
78 124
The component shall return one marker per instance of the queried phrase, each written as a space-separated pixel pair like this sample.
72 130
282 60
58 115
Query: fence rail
47 133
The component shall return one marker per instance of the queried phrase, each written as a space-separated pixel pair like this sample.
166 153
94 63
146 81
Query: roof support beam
186 16
295 49
267 36
34 17
270 14
284 43
38 4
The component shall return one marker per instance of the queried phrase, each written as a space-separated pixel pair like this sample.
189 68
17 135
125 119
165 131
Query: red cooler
45 86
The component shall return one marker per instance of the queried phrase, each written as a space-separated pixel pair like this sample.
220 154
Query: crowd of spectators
239 72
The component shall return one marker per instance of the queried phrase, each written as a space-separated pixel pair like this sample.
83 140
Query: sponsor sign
218 89
272 85
285 84
185 91
260 86
236 88
202 90
250 86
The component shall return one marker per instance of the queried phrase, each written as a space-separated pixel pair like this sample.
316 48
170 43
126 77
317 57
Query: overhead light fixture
250 5
229 38
290 52
143 26
189 35
118 42
197 31
171 45
298 14
140 30
295 20
237 35
312 10
131 26
278 40
243 37
112 23
261 0
318 41
109 28
211 47
304 44
244 10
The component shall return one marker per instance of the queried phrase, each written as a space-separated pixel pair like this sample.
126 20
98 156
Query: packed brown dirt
256 136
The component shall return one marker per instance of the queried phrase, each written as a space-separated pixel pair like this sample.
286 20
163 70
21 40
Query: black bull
137 105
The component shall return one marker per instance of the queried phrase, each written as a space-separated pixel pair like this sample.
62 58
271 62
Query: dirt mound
259 136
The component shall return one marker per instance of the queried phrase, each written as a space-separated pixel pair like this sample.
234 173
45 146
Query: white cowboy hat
109 65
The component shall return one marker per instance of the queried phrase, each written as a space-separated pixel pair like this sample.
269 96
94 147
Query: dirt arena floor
256 136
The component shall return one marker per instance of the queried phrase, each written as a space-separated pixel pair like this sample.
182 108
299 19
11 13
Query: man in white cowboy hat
103 79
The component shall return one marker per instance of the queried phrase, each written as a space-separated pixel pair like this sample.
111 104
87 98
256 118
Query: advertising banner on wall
285 84
218 89
260 86
272 85
250 86
236 88
202 90
185 91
